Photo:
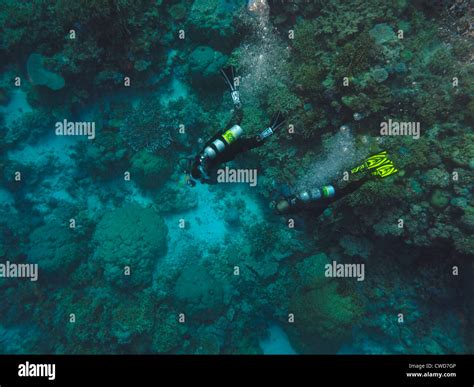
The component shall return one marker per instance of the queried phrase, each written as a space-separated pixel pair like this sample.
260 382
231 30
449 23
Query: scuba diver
316 200
226 144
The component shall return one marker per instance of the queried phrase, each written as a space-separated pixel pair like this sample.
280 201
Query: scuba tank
305 198
222 142
312 195
378 165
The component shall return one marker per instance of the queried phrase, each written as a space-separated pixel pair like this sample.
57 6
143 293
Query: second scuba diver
226 144
317 199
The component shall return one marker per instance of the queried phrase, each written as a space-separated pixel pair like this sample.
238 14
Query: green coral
199 293
205 63
372 99
168 337
178 11
106 157
386 191
83 323
355 57
324 312
283 100
30 127
441 62
150 171
39 75
439 199
382 33
311 271
309 77
56 249
133 322
213 21
175 198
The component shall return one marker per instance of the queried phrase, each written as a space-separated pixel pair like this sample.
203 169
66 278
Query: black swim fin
277 121
229 76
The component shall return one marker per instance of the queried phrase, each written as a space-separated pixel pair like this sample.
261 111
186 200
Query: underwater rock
41 76
150 171
4 97
232 217
129 236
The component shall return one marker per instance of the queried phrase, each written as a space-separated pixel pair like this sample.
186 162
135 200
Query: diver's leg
277 121
351 187
231 80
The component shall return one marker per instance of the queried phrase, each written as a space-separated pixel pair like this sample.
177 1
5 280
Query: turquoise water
130 258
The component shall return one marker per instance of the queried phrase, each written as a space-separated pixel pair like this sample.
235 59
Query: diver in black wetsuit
316 200
226 144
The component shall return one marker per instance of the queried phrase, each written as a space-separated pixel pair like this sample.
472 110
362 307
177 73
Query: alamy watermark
19 270
230 175
345 270
71 128
28 369
400 128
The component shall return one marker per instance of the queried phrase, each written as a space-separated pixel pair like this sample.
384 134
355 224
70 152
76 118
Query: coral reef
319 300
129 236
55 249
204 66
148 251
199 294
41 76
149 170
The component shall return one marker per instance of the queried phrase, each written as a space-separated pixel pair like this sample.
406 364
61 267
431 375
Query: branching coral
144 127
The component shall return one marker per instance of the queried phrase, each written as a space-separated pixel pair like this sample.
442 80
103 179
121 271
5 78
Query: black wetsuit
317 207
240 145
